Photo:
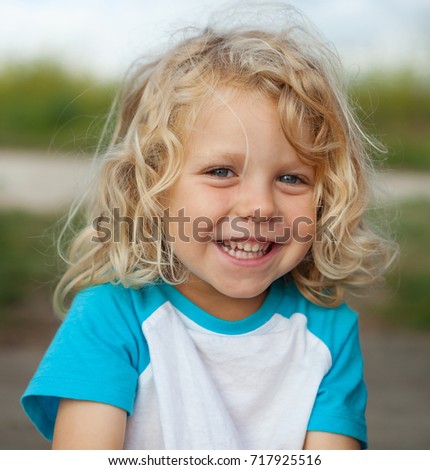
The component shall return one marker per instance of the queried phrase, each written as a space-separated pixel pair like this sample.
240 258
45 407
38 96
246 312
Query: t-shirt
190 380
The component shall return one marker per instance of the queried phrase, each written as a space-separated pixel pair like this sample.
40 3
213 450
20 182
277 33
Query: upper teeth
248 246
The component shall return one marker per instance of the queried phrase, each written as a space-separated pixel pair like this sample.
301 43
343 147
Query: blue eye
221 172
290 179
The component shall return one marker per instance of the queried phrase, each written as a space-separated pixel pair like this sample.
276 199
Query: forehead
232 111
246 118
235 128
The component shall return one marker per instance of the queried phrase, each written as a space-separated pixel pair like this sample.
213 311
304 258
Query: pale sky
105 36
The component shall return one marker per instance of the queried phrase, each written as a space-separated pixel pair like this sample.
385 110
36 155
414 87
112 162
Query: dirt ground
397 363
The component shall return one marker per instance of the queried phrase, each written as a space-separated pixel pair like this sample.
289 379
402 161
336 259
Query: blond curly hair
160 101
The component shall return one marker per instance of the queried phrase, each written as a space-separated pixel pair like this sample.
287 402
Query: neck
219 305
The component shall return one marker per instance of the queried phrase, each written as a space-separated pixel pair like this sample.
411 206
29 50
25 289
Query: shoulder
296 302
111 315
102 296
332 325
101 308
115 300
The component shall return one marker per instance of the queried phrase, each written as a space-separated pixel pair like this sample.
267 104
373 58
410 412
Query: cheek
300 211
190 223
301 220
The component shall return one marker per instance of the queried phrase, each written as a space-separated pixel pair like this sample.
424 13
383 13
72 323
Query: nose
255 200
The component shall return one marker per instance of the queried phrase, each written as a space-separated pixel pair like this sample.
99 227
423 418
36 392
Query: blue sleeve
96 355
341 400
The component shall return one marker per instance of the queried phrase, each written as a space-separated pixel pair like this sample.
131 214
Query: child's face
234 214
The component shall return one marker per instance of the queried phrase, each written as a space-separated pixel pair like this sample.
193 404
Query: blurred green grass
404 300
28 258
408 304
43 106
29 262
395 108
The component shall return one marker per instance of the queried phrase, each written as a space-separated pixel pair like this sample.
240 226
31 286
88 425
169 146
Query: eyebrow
223 156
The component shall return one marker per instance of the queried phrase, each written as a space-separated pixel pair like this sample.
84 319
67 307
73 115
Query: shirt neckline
219 325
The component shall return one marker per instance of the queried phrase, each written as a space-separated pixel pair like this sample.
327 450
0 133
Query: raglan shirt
189 380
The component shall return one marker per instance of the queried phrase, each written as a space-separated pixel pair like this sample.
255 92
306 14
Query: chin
243 292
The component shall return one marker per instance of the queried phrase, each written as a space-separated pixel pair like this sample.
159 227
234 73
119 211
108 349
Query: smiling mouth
245 250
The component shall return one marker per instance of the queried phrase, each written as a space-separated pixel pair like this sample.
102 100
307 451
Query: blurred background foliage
395 108
43 107
28 259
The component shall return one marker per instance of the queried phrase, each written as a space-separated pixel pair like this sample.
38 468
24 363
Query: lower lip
250 262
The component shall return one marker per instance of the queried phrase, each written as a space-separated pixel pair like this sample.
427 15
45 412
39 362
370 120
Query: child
225 231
